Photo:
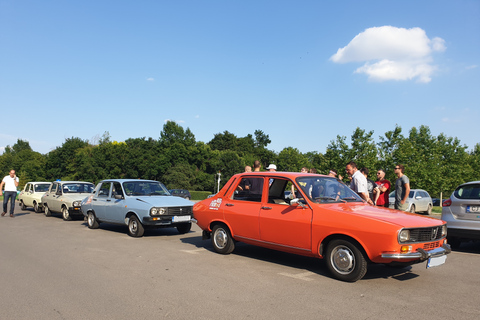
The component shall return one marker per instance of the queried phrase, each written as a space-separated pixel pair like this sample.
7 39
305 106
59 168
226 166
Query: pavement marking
196 251
299 276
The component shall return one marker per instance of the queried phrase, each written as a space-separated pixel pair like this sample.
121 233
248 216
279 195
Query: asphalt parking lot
52 269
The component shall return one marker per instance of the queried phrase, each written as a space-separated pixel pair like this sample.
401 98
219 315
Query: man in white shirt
359 182
11 184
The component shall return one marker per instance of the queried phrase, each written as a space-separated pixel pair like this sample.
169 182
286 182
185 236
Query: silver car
65 197
418 201
31 195
462 213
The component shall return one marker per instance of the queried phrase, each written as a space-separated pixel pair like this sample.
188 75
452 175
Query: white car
31 195
418 201
65 197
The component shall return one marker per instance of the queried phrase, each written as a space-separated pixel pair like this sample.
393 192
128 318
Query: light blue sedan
139 204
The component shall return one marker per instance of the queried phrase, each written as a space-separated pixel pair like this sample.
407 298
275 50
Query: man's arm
1 187
407 192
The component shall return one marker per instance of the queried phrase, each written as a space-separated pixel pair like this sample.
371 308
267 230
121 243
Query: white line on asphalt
299 276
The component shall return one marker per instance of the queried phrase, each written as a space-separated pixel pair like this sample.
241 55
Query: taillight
447 203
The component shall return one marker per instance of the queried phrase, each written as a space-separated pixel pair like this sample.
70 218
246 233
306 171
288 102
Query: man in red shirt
384 186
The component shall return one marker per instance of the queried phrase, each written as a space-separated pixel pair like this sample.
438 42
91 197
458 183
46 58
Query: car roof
38 182
285 174
127 180
64 182
470 182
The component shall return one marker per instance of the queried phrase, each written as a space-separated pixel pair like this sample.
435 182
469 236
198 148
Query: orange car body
307 227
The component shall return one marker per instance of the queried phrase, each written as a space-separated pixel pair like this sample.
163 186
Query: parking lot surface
53 269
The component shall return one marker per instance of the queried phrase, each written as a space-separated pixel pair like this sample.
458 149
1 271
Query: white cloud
392 53
150 79
473 66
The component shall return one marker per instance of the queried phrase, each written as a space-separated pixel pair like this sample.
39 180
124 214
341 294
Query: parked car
185 194
64 197
325 219
31 195
462 213
436 202
139 204
418 201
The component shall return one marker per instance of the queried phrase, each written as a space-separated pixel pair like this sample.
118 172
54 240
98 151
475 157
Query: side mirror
59 192
418 197
118 196
296 202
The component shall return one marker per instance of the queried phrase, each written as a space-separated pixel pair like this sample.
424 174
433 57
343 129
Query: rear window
470 191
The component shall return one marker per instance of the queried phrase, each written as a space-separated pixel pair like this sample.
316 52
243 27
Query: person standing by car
402 188
359 182
373 191
384 186
11 184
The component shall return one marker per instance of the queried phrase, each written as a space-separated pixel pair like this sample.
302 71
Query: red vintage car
319 216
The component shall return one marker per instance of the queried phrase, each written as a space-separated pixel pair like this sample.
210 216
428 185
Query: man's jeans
12 195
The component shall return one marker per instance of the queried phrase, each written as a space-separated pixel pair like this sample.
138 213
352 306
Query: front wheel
429 210
412 208
135 227
92 222
345 260
66 214
184 227
36 208
47 211
222 240
23 206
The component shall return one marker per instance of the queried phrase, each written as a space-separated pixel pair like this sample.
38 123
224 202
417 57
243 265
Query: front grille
425 234
432 245
179 211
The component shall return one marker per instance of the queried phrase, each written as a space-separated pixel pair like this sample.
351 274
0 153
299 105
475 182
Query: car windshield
327 190
145 188
42 187
469 191
78 188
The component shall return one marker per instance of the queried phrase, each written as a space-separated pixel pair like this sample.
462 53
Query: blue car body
139 204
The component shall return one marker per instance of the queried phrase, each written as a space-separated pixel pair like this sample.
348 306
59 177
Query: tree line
434 163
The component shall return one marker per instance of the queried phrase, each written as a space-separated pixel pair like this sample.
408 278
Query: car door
56 199
284 224
242 207
28 195
99 200
115 204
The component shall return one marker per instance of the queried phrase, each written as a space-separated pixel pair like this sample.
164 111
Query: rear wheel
66 214
92 222
47 211
135 227
345 260
222 240
412 208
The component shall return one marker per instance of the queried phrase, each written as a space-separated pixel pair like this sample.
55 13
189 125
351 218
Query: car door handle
94 199
229 204
108 200
267 208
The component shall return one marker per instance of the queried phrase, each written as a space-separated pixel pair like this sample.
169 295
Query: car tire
346 260
92 222
429 209
135 227
412 208
22 205
66 214
184 227
36 208
46 211
222 240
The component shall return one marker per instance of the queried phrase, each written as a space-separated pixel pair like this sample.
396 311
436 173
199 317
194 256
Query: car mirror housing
118 196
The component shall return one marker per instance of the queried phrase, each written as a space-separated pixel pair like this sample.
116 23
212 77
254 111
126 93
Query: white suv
462 213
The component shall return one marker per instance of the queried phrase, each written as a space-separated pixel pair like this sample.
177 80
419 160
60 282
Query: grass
437 210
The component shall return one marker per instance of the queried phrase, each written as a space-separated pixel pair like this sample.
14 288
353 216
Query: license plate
436 261
180 218
473 208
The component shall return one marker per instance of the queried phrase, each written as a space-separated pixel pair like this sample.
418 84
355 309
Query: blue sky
301 71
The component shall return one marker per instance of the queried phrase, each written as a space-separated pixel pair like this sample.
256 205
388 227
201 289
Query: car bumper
169 220
419 254
75 211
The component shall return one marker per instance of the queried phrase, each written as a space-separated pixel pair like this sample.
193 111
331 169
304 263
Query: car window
145 188
104 190
469 191
326 190
54 188
249 189
410 195
28 187
280 191
117 190
42 187
77 188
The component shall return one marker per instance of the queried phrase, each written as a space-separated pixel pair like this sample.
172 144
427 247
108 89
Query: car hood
163 201
391 216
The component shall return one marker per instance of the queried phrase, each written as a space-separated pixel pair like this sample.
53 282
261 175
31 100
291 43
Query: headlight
444 230
77 203
404 236
157 211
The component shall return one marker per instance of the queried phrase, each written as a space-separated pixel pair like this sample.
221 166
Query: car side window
29 187
249 189
54 188
117 190
280 191
104 189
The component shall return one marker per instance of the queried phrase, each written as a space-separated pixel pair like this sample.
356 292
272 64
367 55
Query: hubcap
343 259
90 219
221 238
133 226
